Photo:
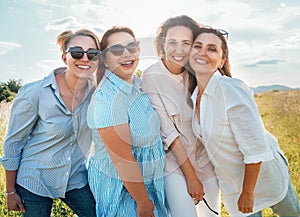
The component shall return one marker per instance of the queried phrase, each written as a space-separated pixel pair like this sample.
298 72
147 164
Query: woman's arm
12 197
194 185
22 120
118 144
246 200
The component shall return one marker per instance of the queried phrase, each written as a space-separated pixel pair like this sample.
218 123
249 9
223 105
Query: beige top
171 99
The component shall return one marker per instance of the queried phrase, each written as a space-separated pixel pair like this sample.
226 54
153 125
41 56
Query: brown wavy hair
226 69
104 45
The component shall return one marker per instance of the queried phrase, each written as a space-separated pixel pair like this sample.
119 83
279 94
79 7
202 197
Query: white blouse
170 98
233 134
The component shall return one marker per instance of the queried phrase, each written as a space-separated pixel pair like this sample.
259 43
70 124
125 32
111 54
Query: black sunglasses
219 31
77 53
196 202
118 49
215 212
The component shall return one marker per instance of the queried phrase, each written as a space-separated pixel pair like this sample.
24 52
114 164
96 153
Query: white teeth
201 61
83 67
127 63
178 58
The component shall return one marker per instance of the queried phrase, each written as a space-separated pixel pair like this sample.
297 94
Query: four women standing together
190 133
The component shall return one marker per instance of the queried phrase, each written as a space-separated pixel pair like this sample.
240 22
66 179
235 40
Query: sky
264 36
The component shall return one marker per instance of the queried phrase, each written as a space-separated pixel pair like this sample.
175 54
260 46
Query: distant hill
260 89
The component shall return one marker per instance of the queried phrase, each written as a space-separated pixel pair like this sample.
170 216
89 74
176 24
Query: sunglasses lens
76 52
92 54
117 50
132 47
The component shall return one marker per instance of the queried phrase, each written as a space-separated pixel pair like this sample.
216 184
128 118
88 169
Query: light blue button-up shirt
45 142
117 102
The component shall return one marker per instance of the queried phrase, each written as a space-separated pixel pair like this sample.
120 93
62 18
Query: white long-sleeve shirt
170 98
233 134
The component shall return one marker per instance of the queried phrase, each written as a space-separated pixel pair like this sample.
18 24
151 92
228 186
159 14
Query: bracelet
10 193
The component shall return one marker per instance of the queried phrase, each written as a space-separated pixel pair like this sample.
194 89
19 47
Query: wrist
143 202
7 193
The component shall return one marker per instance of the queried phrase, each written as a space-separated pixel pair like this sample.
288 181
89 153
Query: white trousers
180 203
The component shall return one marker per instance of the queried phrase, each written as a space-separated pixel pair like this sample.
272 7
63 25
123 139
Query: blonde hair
64 38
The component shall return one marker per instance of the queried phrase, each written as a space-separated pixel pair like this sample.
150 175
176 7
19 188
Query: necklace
68 87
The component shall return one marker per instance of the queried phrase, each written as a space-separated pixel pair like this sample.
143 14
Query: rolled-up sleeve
248 129
21 122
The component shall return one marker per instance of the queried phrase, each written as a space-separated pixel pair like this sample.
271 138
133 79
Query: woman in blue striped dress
126 170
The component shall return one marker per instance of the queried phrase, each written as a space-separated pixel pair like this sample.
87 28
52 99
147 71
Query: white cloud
290 43
62 24
48 64
6 46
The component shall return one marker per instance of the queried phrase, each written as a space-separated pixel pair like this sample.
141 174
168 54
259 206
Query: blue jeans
289 206
81 201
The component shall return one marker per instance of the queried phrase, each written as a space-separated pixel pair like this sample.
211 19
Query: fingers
197 197
246 210
21 207
14 203
196 201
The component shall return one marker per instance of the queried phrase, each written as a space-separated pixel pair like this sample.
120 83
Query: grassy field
280 111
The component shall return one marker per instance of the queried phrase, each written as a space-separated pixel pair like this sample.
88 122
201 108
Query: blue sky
264 36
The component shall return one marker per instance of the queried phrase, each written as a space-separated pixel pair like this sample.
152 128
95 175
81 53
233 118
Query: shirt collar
51 81
210 87
180 78
123 85
194 95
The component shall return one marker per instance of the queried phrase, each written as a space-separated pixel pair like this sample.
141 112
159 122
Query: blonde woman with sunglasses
190 183
251 168
126 171
47 143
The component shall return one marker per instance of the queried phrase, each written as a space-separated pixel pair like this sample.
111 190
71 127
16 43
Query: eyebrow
172 39
196 42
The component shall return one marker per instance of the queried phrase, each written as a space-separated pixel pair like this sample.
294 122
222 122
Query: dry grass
280 111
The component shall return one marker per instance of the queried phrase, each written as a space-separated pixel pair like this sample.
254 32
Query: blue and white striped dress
117 102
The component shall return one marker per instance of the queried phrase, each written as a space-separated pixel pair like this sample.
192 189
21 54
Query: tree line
9 89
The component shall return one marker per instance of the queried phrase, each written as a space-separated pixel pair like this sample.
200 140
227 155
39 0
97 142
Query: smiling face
81 68
206 55
124 65
177 47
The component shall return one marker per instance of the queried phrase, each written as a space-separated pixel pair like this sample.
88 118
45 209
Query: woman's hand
246 199
14 202
245 202
145 208
195 189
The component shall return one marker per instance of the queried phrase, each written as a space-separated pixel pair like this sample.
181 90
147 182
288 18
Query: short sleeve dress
117 102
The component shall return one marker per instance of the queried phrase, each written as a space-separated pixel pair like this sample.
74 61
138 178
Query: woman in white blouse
188 172
251 169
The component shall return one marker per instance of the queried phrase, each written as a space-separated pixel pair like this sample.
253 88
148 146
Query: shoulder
30 90
235 91
157 76
109 94
234 85
152 68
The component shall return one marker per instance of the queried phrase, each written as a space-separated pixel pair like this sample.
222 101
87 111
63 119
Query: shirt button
67 173
69 158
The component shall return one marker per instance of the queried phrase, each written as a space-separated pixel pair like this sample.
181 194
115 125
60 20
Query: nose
179 48
85 57
126 52
202 52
